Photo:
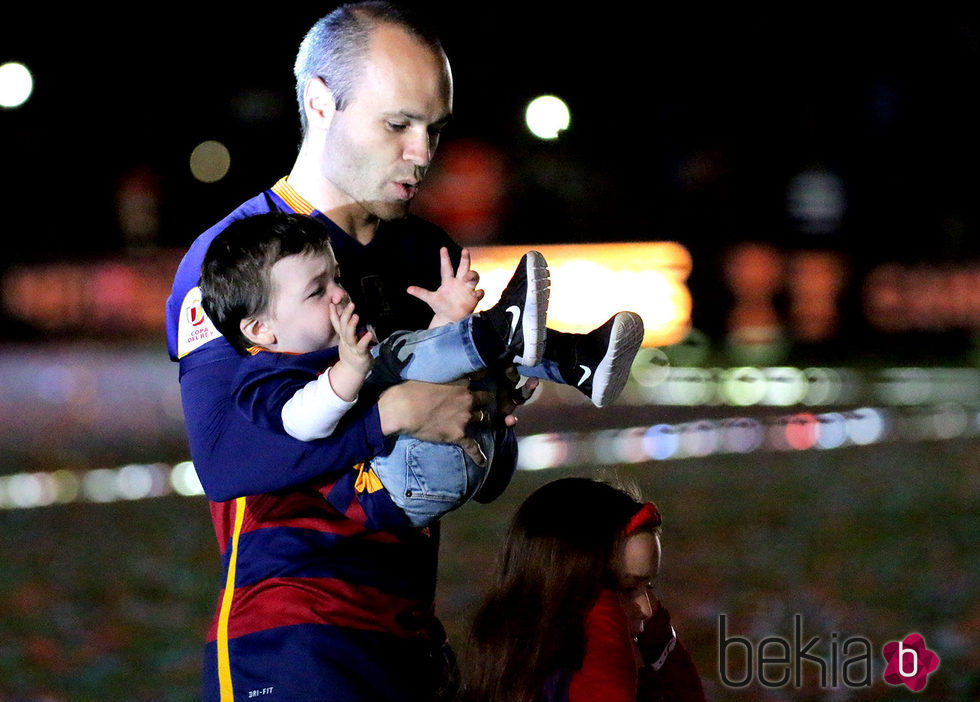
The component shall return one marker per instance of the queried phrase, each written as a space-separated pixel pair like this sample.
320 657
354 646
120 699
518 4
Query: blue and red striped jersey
327 594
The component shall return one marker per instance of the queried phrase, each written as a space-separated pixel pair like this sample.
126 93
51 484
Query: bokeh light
744 386
541 451
16 84
661 442
823 386
832 430
865 426
26 490
99 485
802 431
629 445
950 421
184 479
742 435
647 278
699 439
784 386
547 116
651 367
210 161
816 200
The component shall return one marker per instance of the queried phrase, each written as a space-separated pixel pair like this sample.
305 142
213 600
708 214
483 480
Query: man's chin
390 211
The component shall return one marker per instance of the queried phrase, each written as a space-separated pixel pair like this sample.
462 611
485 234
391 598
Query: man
327 595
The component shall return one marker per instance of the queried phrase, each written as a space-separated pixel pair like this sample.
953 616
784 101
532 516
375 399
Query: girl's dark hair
557 557
235 274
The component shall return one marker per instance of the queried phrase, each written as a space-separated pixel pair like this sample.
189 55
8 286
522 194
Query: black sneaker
520 315
599 365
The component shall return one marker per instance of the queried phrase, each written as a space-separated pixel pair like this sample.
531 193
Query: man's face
380 145
302 287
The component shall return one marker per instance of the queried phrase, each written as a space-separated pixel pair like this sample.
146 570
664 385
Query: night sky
686 125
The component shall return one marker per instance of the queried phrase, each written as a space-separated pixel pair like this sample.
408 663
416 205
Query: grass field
112 601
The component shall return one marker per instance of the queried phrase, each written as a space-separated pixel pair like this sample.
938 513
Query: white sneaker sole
534 323
614 369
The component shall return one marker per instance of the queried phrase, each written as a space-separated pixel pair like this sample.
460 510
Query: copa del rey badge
195 328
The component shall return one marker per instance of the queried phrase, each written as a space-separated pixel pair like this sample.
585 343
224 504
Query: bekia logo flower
909 662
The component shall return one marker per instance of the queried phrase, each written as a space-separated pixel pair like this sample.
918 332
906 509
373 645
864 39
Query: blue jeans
442 355
546 370
427 480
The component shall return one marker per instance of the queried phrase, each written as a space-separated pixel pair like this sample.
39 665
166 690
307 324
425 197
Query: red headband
647 515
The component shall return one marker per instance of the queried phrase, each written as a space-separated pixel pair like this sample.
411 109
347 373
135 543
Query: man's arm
434 412
234 457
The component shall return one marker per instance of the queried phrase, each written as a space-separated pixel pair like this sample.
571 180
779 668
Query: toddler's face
303 285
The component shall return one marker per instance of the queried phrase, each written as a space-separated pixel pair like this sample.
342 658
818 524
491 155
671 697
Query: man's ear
258 332
319 103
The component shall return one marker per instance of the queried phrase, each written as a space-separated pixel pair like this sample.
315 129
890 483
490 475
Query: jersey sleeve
290 393
235 457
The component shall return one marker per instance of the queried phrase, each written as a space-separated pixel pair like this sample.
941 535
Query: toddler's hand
354 352
457 295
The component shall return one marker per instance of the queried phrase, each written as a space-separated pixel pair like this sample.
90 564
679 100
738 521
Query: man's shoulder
189 271
187 326
260 204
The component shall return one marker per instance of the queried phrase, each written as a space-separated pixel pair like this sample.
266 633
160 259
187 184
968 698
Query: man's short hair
236 278
335 47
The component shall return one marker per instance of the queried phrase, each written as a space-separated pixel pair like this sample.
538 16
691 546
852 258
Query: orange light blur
591 282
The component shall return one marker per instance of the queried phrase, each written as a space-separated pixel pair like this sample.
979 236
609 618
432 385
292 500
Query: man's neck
308 181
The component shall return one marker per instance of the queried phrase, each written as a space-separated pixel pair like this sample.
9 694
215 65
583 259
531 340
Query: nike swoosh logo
515 314
586 372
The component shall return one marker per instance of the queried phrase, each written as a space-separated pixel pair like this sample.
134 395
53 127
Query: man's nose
418 149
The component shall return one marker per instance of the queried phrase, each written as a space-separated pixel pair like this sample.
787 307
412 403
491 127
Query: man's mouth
407 189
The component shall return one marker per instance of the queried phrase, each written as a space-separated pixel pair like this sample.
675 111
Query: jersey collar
293 199
298 204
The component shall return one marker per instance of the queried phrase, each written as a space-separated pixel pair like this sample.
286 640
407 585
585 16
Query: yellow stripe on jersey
224 659
292 198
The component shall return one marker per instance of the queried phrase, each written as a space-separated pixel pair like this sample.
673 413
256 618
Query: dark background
687 125
885 100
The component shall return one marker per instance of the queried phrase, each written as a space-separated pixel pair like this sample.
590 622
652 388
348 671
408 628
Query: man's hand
510 397
433 412
457 295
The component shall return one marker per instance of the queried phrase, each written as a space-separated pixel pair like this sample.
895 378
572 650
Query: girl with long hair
572 617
